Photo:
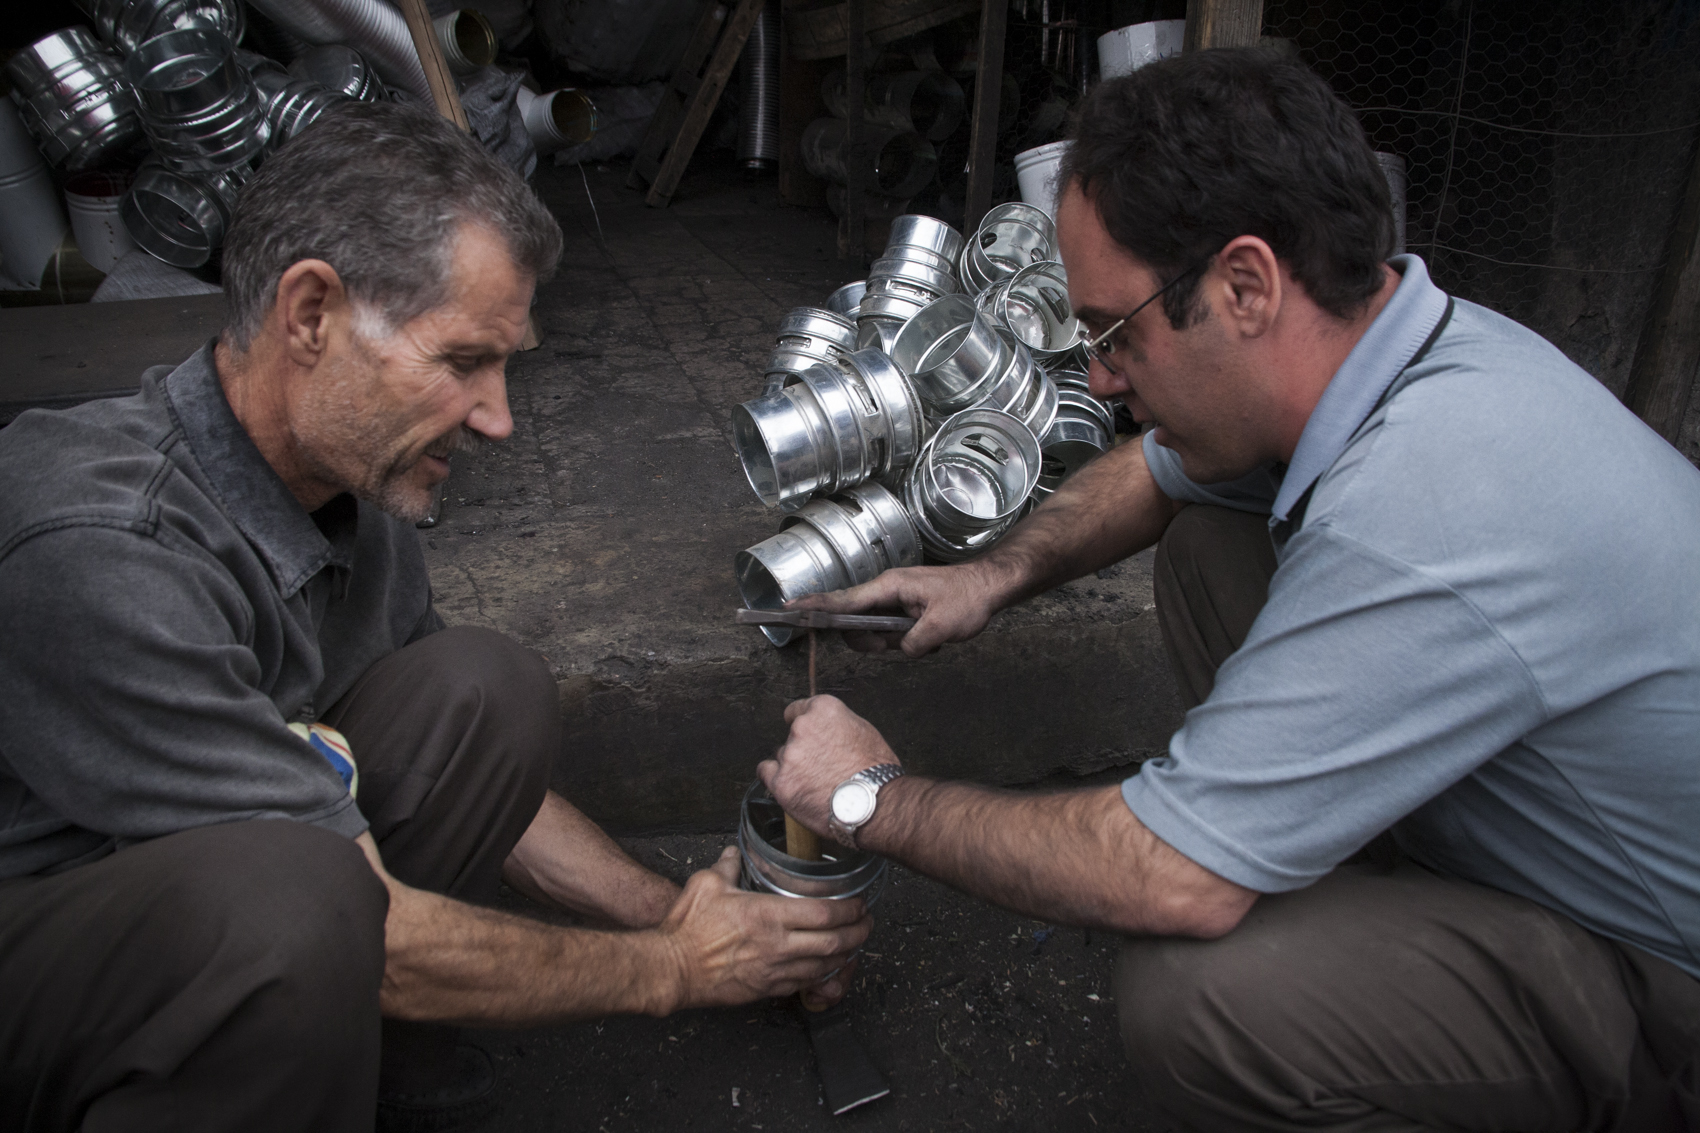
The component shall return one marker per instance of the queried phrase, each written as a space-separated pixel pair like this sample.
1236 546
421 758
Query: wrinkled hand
733 947
828 744
951 604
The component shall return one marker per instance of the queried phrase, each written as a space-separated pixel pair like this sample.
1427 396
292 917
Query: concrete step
603 533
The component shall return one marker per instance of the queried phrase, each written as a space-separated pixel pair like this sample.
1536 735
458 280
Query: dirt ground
978 1018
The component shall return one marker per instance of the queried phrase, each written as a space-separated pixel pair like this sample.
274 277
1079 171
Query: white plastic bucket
31 221
93 199
1125 50
1036 174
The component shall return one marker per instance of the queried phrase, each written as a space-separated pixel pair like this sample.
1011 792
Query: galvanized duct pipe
180 218
847 300
971 482
758 68
1033 306
71 93
1084 429
292 104
808 336
903 161
32 223
127 24
829 544
838 875
468 40
927 102
958 360
339 68
1010 237
199 106
372 27
918 267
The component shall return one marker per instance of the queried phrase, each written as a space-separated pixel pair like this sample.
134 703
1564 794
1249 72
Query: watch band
875 777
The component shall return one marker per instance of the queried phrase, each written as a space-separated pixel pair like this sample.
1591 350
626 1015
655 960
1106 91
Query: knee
1177 999
496 674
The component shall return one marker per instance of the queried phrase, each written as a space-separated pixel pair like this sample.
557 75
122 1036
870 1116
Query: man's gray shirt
168 608
1483 632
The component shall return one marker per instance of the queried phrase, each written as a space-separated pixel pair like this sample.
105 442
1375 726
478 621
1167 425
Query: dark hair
1184 155
377 190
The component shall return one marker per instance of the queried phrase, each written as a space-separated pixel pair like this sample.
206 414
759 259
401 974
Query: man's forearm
1076 857
1107 511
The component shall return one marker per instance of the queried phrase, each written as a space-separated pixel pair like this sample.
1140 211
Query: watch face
852 803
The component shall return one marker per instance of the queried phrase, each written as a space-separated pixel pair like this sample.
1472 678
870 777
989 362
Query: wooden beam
1222 23
855 135
443 89
988 92
1667 359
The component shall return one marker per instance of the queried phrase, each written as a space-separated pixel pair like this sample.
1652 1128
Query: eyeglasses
1101 349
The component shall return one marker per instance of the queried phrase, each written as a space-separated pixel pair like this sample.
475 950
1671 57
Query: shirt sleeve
129 691
1254 492
1365 688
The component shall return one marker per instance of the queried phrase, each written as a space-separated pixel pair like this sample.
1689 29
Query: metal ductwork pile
159 97
919 414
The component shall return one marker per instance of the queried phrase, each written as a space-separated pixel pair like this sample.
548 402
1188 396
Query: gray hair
378 191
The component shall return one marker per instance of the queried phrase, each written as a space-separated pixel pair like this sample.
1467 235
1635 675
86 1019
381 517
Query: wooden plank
443 89
663 125
1222 23
60 356
1667 358
720 66
988 91
799 104
855 226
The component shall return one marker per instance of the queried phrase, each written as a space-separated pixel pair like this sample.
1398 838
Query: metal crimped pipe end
559 118
878 332
950 353
1081 433
71 93
977 471
467 39
840 874
1011 236
1033 304
338 67
902 424
918 269
777 441
127 24
291 104
199 106
847 299
927 232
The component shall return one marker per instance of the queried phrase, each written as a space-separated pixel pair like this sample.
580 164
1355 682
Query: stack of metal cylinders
72 94
831 543
964 408
918 267
127 24
808 336
292 104
834 426
1011 237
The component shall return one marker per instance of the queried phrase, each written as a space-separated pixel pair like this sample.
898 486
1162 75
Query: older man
252 793
1414 570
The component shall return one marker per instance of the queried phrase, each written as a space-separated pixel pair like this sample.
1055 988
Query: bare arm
566 860
1107 511
1077 857
452 962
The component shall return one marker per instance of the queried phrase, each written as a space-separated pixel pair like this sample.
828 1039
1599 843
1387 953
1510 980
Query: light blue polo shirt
1483 631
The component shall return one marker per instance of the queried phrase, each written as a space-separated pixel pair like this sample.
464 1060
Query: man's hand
828 744
951 604
733 946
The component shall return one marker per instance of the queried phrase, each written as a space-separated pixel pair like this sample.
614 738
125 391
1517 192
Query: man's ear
310 299
1252 285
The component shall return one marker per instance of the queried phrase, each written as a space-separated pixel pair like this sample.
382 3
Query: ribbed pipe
468 40
371 27
758 141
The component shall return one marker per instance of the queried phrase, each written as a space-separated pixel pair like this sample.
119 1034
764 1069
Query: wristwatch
853 800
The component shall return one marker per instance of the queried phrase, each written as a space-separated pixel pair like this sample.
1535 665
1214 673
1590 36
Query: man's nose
1104 385
490 415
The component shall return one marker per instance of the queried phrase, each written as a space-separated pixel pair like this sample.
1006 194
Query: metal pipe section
918 268
758 69
372 27
971 482
1010 237
199 106
72 95
291 104
832 428
560 118
1033 306
467 39
180 218
847 300
903 162
845 540
930 103
840 874
808 336
32 223
339 68
127 24
1084 429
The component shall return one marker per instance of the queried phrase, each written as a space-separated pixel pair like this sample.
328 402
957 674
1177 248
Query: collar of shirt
1386 348
295 545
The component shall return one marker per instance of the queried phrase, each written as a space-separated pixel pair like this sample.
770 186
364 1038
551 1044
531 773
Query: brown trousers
1384 997
226 977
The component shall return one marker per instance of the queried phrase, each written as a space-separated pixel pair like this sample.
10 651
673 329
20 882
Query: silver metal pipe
127 24
903 162
808 336
1084 430
840 874
291 104
372 27
467 39
72 95
559 118
970 482
847 300
339 68
758 68
1010 237
1033 305
199 106
829 544
180 218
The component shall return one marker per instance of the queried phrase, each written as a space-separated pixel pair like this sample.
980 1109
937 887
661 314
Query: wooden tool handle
800 841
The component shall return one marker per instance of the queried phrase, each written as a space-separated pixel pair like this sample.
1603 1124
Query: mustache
456 440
